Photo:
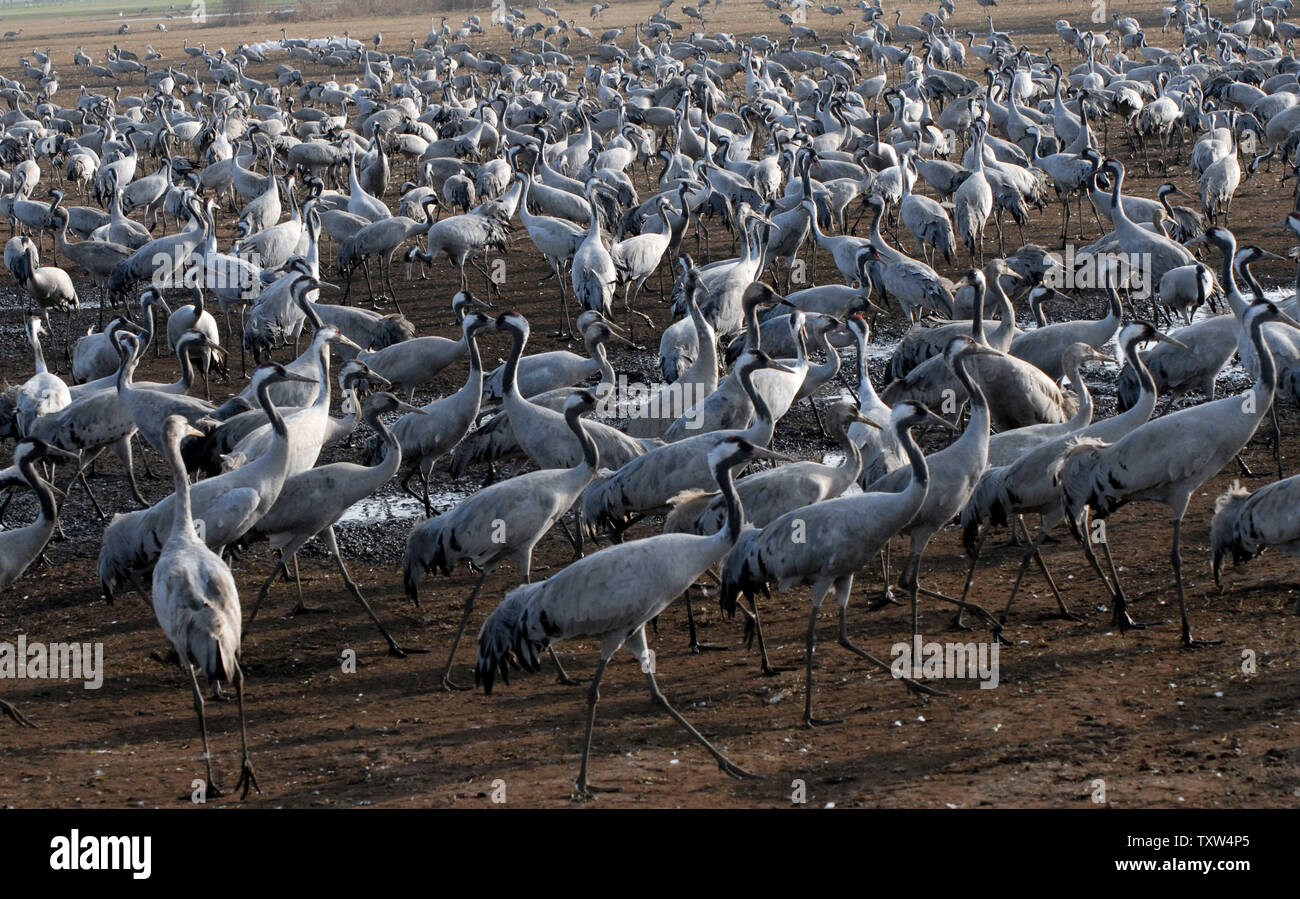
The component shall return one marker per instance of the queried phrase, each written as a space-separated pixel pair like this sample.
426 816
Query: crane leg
887 595
262 593
301 608
636 644
1277 439
16 715
754 628
1176 558
332 543
810 645
957 623
447 683
1121 615
584 789
247 780
695 645
213 790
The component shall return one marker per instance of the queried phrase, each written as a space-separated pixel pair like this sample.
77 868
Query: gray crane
424 439
1032 481
20 547
616 501
1045 347
197 606
541 432
312 502
611 595
44 392
503 521
839 537
954 472
1245 524
1168 459
415 362
229 504
1019 394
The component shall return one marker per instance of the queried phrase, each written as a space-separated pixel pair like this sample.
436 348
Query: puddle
398 507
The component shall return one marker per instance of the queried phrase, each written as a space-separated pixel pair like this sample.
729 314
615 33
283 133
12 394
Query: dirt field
1077 702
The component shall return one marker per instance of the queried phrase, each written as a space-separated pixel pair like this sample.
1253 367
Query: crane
503 521
197 606
1168 459
611 595
840 536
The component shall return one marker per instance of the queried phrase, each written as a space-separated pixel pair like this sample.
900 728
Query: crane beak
1287 320
933 419
861 416
347 341
375 378
302 379
771 455
407 407
1165 338
1196 241
777 366
191 431
1101 357
1267 255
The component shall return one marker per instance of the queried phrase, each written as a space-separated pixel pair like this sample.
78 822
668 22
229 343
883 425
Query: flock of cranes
625 158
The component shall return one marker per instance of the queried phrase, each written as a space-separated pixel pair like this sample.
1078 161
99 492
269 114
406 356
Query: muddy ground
1077 702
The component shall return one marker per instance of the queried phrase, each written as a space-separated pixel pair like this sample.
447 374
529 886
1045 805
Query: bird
1245 524
611 595
541 432
1168 459
839 537
614 502
312 502
443 423
51 288
229 503
954 471
44 392
502 521
413 363
197 605
20 547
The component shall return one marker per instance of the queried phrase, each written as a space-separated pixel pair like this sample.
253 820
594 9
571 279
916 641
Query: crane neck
1266 382
272 413
978 426
37 352
41 487
590 454
760 432
392 459
182 511
977 316
1146 383
509 377
735 512
1083 416
915 458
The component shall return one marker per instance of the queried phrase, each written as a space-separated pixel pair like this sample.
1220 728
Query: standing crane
503 521
840 536
1168 459
611 595
312 502
197 606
